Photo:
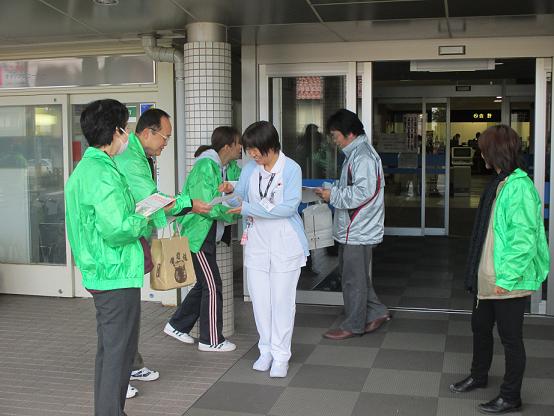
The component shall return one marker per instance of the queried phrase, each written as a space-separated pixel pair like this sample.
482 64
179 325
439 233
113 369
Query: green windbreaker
202 183
133 164
233 171
521 256
102 227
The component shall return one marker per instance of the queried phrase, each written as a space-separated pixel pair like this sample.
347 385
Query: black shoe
499 406
467 384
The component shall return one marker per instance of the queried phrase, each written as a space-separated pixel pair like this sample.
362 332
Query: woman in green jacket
103 231
508 260
205 301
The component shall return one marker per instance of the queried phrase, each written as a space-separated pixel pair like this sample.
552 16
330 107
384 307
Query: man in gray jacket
358 198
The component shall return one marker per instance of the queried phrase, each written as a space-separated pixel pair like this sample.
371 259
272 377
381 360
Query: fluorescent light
497 101
498 97
452 50
106 2
452 65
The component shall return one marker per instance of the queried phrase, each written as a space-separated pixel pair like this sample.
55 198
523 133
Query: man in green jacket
151 136
103 231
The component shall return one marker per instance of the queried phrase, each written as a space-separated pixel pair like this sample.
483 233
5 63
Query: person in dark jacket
508 260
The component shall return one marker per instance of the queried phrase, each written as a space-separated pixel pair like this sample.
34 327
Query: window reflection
31 185
303 106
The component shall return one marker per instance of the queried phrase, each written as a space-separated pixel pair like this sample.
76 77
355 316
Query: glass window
304 105
77 71
31 185
307 102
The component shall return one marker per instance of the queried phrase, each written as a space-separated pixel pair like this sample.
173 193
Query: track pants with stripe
204 301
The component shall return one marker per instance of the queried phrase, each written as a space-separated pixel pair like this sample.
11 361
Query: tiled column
207 106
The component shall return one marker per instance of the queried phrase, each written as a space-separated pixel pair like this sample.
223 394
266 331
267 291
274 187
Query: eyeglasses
124 130
166 138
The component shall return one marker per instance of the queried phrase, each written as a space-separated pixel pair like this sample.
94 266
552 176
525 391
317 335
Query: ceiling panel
381 10
499 7
135 16
30 18
250 12
275 34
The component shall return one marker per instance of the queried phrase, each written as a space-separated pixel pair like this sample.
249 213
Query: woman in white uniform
275 244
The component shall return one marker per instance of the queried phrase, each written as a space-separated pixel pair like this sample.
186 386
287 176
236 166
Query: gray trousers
361 304
117 320
138 362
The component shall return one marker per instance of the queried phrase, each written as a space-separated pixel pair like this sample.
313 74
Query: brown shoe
374 325
339 334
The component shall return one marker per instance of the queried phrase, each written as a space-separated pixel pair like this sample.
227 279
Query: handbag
173 266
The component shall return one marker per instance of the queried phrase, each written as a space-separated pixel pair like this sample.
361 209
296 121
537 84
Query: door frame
42 279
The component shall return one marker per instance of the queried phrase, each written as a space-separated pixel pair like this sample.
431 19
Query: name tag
268 206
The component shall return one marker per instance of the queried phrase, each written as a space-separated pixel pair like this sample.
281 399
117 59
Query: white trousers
273 296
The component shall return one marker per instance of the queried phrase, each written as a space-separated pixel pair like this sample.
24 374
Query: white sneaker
263 363
131 391
224 346
181 336
279 369
145 374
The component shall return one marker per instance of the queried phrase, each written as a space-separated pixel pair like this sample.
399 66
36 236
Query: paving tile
414 341
358 357
460 363
537 367
240 397
408 383
307 335
314 402
464 344
330 377
394 405
373 340
409 360
419 326
315 320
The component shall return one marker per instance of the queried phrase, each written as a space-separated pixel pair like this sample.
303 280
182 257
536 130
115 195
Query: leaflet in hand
229 200
153 203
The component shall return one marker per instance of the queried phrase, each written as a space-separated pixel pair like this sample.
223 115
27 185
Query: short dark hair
500 146
346 122
262 136
100 119
151 119
221 136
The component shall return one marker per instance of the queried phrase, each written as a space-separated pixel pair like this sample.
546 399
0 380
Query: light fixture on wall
452 65
106 2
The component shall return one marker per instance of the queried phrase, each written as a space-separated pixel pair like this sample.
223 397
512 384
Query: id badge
268 206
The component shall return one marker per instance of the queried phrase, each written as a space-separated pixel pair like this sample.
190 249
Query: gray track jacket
358 197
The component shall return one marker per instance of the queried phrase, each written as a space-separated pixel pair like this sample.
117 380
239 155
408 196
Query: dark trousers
204 301
508 315
361 304
117 320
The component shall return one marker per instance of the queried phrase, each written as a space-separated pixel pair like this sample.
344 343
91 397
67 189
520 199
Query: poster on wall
132 113
144 107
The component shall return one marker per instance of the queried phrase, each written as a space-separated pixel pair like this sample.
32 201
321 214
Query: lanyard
262 196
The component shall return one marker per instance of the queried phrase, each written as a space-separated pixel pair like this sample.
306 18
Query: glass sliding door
436 172
299 101
34 167
410 137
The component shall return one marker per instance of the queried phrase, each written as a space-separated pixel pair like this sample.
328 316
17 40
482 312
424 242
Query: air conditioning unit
452 65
